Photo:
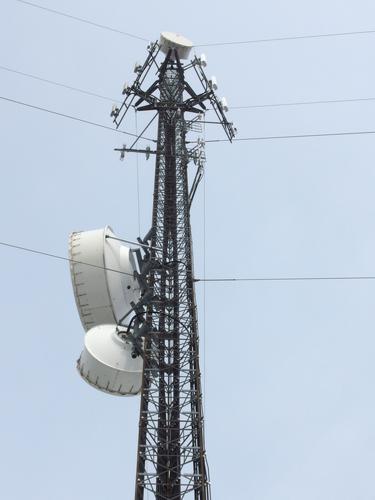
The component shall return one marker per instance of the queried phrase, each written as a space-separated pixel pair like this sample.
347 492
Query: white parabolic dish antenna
107 364
102 277
170 40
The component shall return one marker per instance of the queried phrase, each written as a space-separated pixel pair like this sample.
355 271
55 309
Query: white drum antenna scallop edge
105 283
175 41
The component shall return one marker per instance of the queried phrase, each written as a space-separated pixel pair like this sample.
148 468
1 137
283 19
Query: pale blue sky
289 371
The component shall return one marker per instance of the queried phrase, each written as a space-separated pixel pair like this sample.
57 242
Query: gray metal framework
171 458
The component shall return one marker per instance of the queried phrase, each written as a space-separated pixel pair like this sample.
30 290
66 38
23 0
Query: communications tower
161 323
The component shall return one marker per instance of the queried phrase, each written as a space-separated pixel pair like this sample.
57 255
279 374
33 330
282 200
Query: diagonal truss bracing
171 453
171 457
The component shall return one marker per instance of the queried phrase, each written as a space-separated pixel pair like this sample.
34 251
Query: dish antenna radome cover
169 40
102 272
107 364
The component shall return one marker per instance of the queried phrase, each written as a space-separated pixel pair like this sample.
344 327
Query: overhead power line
297 136
217 280
82 20
209 44
75 118
58 84
59 257
287 278
303 103
259 138
250 106
286 38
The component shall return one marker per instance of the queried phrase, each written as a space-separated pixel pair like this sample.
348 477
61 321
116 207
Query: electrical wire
144 130
137 243
58 84
297 136
303 103
197 280
137 176
59 257
251 106
204 286
286 38
259 138
287 278
82 20
75 118
211 44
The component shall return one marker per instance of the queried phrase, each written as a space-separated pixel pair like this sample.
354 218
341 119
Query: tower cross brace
171 454
171 457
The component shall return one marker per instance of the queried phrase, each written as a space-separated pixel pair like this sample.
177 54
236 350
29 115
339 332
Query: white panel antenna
203 60
224 105
213 83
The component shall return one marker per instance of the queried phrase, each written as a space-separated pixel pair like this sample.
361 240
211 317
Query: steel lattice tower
171 459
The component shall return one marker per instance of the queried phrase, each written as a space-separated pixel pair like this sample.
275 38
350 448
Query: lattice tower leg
171 454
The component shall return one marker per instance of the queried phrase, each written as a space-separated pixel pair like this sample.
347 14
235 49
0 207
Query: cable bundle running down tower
157 325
